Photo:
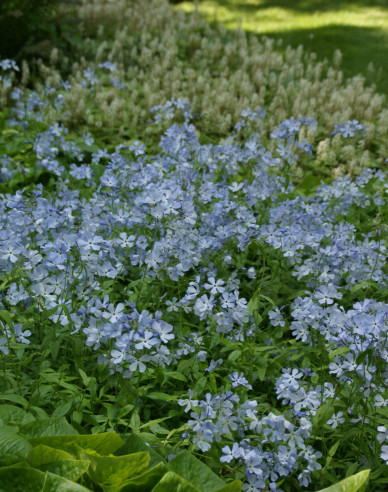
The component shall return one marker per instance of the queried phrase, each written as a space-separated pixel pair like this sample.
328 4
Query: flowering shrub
193 296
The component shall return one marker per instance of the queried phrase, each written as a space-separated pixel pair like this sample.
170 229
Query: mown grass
358 29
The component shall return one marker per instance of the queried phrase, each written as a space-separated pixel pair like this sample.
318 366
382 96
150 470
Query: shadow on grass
359 46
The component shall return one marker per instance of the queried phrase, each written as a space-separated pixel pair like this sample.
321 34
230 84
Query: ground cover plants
155 54
176 294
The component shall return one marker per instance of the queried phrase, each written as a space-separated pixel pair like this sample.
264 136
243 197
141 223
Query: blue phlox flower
7 64
326 293
189 402
349 128
311 455
335 420
239 380
384 454
213 364
109 66
233 453
16 293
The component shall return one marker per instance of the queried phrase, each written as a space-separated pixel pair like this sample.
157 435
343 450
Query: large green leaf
12 443
9 459
142 483
114 470
350 484
11 414
133 444
70 469
194 471
42 454
171 482
48 427
20 479
104 443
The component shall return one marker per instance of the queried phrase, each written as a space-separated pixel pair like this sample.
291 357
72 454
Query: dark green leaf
171 482
175 375
15 399
194 471
133 444
62 409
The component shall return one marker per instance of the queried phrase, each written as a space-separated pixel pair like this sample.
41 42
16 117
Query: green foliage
25 21
350 484
23 479
195 472
48 455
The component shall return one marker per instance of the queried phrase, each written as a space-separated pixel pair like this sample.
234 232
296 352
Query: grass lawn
358 29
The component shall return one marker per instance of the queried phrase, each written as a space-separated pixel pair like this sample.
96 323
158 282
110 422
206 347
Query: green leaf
8 460
334 448
104 443
324 413
361 285
161 396
85 378
5 316
48 427
70 469
175 375
268 299
41 455
171 482
15 399
194 471
200 386
338 351
113 470
233 356
12 443
141 483
153 422
135 443
15 415
350 484
62 409
10 131
235 486
20 479
330 455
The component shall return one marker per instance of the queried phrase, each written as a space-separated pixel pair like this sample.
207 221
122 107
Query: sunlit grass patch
359 30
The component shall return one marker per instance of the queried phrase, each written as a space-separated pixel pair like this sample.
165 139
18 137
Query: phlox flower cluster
322 249
268 447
